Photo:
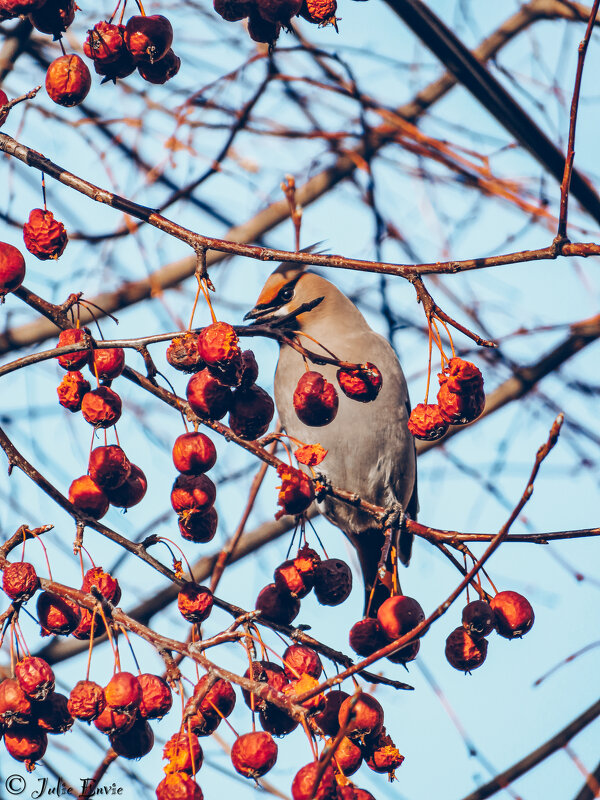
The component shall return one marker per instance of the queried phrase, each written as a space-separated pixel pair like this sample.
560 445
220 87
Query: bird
370 449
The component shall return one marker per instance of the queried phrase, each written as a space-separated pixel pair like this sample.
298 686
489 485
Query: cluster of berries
396 616
316 400
267 17
509 613
460 400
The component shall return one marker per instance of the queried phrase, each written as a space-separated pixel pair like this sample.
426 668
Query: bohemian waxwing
371 451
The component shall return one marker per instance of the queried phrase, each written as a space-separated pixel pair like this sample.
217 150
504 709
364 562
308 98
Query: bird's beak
258 313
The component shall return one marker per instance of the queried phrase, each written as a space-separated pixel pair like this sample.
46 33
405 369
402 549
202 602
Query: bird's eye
286 293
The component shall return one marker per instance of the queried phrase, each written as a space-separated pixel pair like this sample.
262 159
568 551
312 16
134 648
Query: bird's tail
380 576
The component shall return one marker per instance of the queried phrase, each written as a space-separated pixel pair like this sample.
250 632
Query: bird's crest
285 273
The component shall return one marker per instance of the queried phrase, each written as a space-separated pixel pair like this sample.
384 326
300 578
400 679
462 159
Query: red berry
194 453
219 699
319 12
219 347
86 700
249 369
148 38
350 792
157 698
53 17
110 721
101 407
14 8
260 30
134 743
302 685
289 579
52 715
275 721
27 744
109 467
35 677
15 706
88 497
296 492
44 236
278 10
254 754
362 384
198 526
299 659
426 422
333 582
20 581
348 756
183 353
366 636
12 268
398 615
123 692
193 492
195 602
71 390
104 582
178 786
463 652
250 412
365 718
514 614
382 755
405 654
68 80
131 492
233 10
327 718
303 786
276 605
77 360
105 42
478 618
161 71
56 614
107 363
315 400
123 66
183 752
263 672
207 396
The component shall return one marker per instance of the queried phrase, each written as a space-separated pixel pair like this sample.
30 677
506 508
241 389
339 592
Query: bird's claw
394 516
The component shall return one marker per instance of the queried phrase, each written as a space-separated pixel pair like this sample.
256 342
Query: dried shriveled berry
289 579
365 718
319 12
459 409
183 353
137 742
219 347
275 721
52 715
107 363
121 68
131 492
327 719
305 684
88 497
15 706
44 236
219 699
333 582
178 786
108 466
157 698
463 652
35 677
20 581
27 744
183 753
278 10
104 582
68 80
148 38
315 400
381 754
71 390
366 636
193 493
350 792
207 396
303 786
12 269
513 614
195 602
194 453
12 8
263 672
426 422
200 724
161 71
123 692
398 615
249 369
299 659
56 614
362 384
110 721
296 492
348 756
233 10
262 31
254 754
101 407
251 412
407 653
276 605
86 700
478 618
105 42
198 526
53 17
73 361
3 98
90 622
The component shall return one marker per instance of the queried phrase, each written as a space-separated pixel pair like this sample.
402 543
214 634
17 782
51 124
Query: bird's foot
393 517
322 487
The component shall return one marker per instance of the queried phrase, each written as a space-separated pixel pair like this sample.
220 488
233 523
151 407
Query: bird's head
287 289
